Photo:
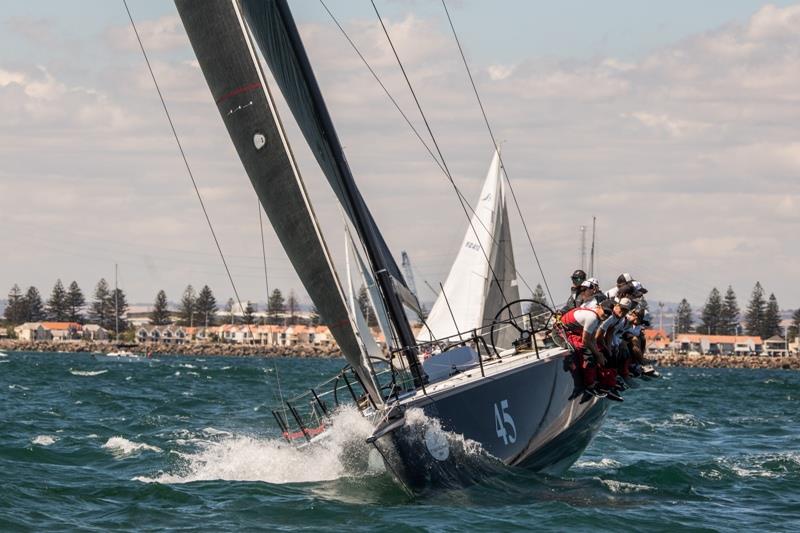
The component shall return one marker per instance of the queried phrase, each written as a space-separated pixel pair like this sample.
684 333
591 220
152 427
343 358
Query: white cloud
689 157
162 34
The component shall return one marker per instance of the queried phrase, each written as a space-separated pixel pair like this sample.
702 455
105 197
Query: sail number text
504 424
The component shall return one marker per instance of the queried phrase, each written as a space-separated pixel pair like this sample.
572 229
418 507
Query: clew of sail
221 43
473 292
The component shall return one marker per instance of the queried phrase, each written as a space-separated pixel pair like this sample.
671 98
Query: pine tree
57 304
314 317
34 305
119 310
756 310
229 310
188 307
366 308
712 314
206 306
538 294
159 316
249 312
275 306
16 308
772 318
101 310
75 302
794 329
684 318
292 307
729 316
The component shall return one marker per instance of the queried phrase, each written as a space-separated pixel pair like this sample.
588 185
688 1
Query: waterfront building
776 346
61 331
32 331
718 344
93 332
161 334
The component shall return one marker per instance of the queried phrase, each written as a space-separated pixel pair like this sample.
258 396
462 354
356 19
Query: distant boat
124 354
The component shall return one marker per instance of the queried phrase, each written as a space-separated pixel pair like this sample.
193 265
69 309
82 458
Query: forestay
229 63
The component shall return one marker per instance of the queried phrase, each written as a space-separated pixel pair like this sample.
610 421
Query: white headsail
473 291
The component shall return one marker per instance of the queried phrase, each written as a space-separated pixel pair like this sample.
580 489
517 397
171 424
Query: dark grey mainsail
229 63
275 32
274 29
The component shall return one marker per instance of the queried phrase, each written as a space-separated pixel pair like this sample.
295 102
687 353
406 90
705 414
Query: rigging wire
413 128
189 169
438 150
494 142
266 283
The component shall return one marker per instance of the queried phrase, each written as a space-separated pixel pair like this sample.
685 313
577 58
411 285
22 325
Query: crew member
580 326
622 280
578 277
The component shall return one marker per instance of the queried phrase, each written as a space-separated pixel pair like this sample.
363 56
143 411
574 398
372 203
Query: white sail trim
368 343
466 286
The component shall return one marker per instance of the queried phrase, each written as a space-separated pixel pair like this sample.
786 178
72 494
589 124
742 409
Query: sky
675 124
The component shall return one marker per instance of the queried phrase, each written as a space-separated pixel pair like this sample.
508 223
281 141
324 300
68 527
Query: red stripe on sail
240 90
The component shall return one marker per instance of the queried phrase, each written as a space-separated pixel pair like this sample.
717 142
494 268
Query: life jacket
570 323
573 328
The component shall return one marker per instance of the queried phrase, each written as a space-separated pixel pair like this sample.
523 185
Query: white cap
625 303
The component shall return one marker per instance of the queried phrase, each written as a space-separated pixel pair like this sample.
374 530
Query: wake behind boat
490 371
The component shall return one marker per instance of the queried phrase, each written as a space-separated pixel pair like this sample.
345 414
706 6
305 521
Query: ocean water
183 443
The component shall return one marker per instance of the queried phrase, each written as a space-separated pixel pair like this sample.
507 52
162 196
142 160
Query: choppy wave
44 440
87 372
122 447
342 451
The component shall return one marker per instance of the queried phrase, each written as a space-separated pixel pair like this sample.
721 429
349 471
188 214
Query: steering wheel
525 334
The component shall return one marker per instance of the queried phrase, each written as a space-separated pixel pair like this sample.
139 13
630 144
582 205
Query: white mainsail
473 292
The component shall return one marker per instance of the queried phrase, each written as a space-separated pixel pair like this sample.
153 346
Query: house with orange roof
63 330
321 336
656 340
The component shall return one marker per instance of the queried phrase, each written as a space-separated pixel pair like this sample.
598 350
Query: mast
228 60
276 33
116 304
583 247
408 272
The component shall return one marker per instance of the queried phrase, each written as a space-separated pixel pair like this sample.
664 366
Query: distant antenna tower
591 254
409 274
583 248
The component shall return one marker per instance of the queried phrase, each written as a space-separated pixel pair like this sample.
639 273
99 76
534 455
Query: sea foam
223 456
87 372
122 447
44 440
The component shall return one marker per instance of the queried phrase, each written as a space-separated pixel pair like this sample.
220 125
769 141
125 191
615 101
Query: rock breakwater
198 349
727 361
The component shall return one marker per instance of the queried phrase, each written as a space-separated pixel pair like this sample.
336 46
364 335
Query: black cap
579 276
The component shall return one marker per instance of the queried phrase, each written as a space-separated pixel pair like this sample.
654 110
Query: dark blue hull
532 415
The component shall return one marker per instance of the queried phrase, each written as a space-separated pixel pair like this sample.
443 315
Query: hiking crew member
580 326
622 281
578 277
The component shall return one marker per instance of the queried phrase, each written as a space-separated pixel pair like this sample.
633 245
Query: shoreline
726 361
305 350
215 349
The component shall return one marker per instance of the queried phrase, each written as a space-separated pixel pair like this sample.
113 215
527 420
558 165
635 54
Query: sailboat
499 387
